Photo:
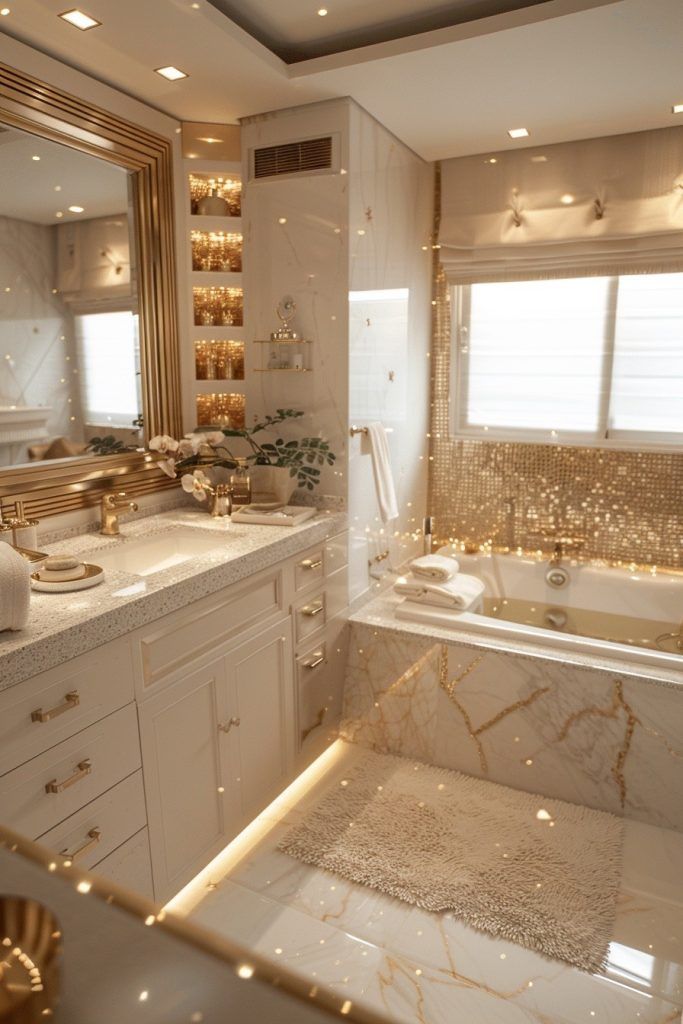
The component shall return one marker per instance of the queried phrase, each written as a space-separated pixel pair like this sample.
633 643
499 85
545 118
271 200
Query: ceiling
29 186
293 33
564 69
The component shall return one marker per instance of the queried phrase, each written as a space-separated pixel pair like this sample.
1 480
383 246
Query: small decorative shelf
219 360
221 410
285 352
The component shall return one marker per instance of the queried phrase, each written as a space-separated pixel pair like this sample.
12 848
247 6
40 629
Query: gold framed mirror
28 105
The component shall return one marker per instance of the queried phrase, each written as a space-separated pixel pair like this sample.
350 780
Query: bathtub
635 616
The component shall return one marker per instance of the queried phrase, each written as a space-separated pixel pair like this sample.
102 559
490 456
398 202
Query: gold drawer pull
318 722
227 726
313 609
83 768
311 563
317 659
71 700
94 836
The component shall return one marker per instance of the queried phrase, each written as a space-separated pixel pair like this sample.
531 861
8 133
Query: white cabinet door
192 808
261 699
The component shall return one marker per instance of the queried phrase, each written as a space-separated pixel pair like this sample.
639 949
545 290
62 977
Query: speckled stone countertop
379 612
62 626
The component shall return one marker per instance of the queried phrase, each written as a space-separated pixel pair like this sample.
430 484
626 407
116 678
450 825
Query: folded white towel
381 468
460 592
436 568
15 589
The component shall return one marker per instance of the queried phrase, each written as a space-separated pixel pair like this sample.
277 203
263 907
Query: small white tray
94 574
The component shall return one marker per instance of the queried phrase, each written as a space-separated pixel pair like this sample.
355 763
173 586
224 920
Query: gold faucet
111 504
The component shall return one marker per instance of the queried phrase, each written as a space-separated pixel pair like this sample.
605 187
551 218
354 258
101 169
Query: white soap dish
94 574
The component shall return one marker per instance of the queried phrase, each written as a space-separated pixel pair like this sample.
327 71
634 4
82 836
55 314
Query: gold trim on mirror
43 110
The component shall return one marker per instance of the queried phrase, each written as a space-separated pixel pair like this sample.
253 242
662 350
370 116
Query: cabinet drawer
320 673
200 628
310 615
335 553
91 834
130 865
80 769
50 707
312 703
309 568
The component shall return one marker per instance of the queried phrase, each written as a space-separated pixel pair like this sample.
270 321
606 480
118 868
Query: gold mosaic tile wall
626 505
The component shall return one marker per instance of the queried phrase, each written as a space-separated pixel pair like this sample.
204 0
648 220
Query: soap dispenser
24 531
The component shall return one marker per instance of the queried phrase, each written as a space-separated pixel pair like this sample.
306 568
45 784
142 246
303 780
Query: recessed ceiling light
209 139
518 133
539 159
79 19
491 160
4 11
322 12
567 199
36 158
171 73
76 209
676 109
58 188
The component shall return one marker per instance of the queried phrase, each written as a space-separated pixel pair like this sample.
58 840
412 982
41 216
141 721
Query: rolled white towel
15 589
436 568
460 592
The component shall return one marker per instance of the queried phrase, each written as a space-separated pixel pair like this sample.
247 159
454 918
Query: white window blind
589 359
109 359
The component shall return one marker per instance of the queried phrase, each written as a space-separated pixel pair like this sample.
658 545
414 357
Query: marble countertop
63 626
379 613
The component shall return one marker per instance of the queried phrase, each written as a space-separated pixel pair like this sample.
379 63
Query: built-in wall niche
221 409
218 307
216 251
219 360
215 195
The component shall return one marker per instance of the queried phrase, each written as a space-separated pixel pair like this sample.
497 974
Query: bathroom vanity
145 722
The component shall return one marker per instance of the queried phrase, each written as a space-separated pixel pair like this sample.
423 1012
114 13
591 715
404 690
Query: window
109 358
593 359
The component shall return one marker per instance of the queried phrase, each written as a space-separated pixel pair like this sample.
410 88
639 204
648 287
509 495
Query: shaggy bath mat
531 869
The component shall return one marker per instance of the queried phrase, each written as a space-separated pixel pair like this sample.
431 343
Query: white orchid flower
196 483
163 443
168 467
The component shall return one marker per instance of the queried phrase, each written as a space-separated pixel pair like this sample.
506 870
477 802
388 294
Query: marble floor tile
415 966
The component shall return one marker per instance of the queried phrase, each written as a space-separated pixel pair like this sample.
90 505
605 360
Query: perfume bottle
240 484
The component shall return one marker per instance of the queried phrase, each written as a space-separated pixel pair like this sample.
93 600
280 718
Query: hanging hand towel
381 467
437 568
460 592
15 589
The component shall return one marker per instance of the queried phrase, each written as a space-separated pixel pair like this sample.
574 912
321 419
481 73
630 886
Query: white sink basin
148 555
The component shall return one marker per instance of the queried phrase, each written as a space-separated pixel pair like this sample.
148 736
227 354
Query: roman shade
605 206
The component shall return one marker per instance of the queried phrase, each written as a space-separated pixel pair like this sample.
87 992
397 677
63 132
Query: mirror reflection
70 380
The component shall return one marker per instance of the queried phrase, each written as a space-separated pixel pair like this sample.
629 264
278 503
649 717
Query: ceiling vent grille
293 158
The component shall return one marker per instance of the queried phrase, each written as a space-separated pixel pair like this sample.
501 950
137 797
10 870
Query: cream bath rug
537 871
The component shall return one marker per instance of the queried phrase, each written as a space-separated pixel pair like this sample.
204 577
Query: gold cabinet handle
311 563
94 836
313 609
318 721
317 659
71 700
227 726
83 768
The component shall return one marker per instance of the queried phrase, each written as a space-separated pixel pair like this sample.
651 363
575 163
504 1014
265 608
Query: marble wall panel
590 736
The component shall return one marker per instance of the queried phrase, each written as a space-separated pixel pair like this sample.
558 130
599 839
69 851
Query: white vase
274 483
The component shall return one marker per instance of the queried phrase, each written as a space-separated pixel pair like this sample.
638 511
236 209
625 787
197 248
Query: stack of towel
437 580
15 588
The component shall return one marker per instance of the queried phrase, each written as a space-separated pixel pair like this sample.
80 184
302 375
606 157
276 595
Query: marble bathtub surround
418 967
590 735
541 873
63 626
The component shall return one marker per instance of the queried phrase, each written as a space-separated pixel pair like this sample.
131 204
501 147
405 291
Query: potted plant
283 464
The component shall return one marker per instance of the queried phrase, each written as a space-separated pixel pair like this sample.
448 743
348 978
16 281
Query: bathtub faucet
557 575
